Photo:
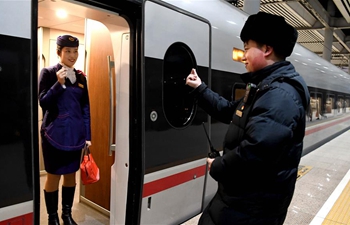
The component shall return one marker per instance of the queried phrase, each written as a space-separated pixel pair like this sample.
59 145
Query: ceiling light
61 13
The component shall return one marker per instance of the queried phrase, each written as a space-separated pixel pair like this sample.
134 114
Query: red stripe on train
316 129
156 186
26 219
183 177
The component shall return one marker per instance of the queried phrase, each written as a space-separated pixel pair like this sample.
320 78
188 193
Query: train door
120 168
107 63
19 173
105 38
175 145
100 92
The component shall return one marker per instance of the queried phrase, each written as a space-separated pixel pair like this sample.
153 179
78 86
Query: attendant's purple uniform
66 122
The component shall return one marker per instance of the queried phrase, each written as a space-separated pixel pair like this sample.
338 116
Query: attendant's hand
61 75
193 79
88 143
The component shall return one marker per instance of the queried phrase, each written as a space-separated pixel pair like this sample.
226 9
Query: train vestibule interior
104 58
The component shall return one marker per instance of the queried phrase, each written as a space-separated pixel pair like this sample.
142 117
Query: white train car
18 164
147 131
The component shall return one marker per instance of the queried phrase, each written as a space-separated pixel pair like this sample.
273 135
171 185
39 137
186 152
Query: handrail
111 97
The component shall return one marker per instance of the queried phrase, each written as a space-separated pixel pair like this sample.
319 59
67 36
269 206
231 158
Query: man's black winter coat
262 149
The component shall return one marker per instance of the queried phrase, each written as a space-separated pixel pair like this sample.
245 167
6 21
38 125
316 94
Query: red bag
89 171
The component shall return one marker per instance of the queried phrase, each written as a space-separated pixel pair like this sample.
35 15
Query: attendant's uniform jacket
262 148
66 111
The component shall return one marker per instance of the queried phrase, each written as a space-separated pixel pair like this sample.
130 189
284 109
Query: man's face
254 56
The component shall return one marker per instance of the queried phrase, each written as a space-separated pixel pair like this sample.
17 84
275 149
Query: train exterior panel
225 30
159 173
18 169
175 122
225 36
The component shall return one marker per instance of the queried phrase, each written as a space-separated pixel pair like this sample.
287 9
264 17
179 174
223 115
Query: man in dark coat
257 172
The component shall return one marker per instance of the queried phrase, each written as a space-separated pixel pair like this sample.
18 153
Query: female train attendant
64 99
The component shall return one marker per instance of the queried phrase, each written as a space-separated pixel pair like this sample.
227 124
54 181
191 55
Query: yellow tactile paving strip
340 212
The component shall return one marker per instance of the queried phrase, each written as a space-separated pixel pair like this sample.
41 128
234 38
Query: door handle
111 98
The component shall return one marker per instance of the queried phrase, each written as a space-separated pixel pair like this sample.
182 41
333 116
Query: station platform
322 194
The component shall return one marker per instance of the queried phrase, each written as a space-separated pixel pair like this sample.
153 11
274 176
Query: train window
179 106
329 104
347 102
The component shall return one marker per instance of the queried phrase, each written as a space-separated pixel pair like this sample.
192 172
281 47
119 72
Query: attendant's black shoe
67 202
51 200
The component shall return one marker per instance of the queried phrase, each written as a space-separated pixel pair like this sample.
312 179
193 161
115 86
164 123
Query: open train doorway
105 59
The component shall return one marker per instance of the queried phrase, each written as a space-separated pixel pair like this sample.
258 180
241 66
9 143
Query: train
148 134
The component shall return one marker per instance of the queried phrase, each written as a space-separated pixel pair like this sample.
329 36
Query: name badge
239 113
80 85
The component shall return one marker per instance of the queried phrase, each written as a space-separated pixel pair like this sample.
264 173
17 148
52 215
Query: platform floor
322 194
82 214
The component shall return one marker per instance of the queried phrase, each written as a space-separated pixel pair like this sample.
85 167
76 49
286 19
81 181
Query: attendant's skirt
58 161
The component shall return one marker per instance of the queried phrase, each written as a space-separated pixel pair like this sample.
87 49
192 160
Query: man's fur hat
271 30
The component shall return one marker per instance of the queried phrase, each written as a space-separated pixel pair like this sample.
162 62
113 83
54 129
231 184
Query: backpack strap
244 107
